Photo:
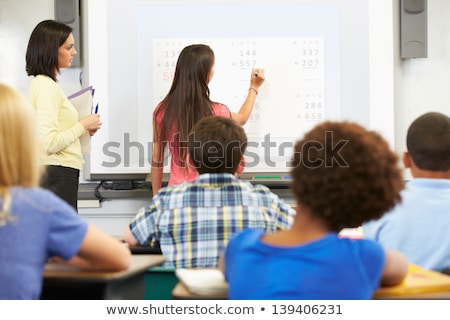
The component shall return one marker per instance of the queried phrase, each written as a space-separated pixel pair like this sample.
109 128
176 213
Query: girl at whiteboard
188 101
51 47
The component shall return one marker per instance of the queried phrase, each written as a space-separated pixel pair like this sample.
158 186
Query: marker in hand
96 108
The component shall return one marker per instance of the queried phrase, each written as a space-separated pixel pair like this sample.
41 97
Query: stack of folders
203 282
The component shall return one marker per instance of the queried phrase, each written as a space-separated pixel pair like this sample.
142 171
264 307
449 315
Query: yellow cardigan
58 123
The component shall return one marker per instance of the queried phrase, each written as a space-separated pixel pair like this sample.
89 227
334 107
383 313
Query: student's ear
190 164
241 167
407 159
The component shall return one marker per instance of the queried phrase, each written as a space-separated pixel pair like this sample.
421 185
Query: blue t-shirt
331 268
43 226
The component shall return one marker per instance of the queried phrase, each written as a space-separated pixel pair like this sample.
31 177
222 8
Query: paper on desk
203 281
83 101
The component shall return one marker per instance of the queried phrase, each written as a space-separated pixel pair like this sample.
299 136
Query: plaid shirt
193 221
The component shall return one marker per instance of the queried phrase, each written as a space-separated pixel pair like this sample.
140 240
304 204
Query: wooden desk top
418 284
139 263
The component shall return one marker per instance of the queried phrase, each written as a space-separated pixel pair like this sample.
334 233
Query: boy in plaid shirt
193 221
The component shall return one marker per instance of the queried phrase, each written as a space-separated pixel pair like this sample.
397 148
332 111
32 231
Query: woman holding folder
51 47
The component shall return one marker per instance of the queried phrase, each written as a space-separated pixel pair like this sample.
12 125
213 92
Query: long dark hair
42 50
188 99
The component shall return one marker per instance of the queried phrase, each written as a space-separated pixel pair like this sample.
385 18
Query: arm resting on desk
99 251
129 238
395 268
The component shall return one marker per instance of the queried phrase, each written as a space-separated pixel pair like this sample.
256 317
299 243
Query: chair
446 271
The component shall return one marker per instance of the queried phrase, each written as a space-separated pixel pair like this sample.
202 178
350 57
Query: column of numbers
245 53
313 107
165 56
310 63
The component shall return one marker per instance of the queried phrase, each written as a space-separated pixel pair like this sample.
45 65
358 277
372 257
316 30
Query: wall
420 85
423 85
16 25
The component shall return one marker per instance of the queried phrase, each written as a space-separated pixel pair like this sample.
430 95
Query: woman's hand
91 123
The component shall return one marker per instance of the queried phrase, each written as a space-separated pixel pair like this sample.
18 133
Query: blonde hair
21 154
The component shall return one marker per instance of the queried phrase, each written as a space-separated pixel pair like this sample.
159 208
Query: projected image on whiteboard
300 55
295 103
324 59
293 97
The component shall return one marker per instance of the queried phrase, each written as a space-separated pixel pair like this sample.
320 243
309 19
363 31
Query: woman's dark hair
345 175
188 99
42 50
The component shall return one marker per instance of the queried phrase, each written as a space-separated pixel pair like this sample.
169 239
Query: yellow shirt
58 123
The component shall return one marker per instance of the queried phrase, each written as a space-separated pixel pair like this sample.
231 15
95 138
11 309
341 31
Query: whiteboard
323 60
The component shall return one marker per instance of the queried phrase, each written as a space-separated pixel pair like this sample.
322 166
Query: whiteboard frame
95 72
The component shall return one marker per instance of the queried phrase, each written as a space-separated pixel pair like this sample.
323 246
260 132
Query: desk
418 284
63 282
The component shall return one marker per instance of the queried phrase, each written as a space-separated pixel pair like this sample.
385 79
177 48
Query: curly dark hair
345 174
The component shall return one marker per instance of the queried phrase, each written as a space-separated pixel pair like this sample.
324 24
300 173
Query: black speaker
413 29
68 12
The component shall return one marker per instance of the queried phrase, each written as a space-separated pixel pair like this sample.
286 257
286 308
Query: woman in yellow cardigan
51 47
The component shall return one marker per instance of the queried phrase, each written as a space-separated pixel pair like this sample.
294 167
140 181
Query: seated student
35 224
419 226
342 176
193 221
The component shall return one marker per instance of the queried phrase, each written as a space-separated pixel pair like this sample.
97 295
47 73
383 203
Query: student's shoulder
39 198
265 191
247 236
171 193
367 247
221 110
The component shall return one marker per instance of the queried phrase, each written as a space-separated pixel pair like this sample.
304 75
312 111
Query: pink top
178 171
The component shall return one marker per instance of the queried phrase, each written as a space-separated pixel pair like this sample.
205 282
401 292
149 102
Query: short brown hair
428 141
216 145
345 174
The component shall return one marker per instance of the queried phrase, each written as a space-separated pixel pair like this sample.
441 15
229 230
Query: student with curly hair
343 175
419 225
